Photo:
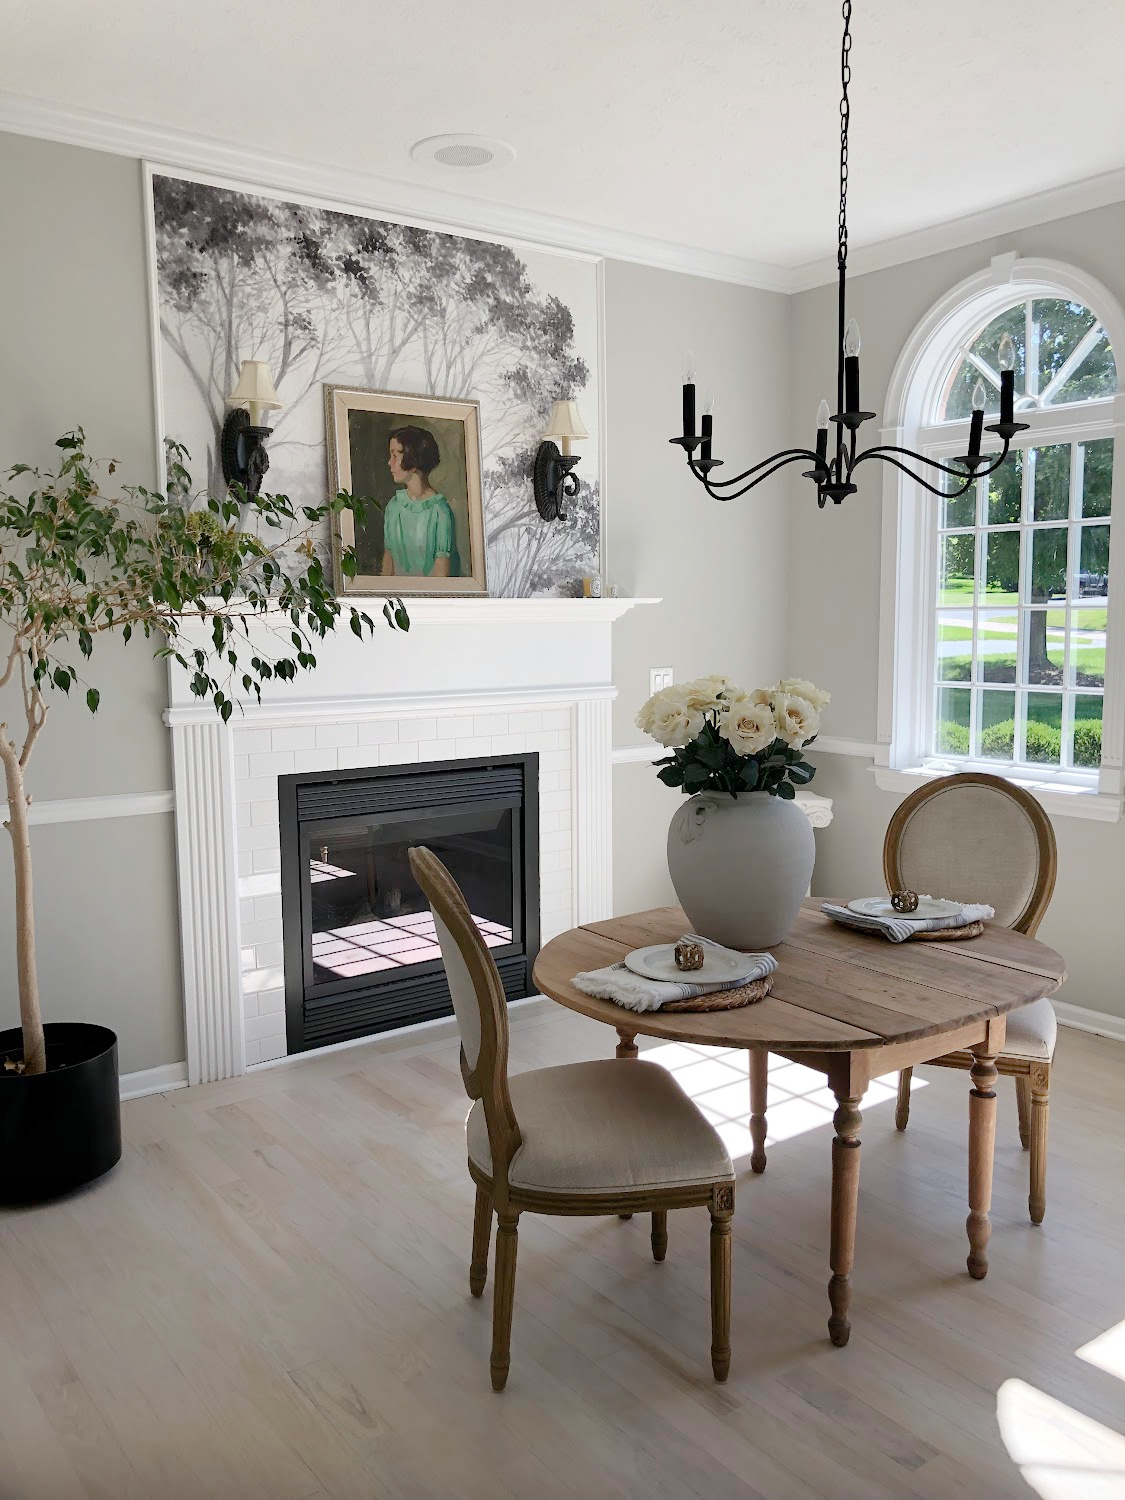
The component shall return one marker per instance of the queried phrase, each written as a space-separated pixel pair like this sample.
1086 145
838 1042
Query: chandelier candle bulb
823 417
689 395
1006 359
707 425
851 367
976 426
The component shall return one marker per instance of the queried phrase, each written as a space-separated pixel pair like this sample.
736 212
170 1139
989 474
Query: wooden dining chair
609 1137
978 838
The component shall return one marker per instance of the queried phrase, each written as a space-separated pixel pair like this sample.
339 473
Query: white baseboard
154 1080
1100 1022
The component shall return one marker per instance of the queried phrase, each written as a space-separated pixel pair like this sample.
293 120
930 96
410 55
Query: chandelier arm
968 480
882 450
779 459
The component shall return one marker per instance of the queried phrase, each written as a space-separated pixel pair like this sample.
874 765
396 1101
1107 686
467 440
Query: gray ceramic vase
741 866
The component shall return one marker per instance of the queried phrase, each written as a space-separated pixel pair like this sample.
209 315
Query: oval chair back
480 1007
976 838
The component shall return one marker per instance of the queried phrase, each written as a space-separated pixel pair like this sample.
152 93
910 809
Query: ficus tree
77 565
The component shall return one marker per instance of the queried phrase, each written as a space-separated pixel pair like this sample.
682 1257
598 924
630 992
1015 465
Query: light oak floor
269 1298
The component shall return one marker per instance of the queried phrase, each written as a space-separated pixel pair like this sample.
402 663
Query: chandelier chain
845 120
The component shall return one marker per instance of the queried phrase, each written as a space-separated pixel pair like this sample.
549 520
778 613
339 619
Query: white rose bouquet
726 740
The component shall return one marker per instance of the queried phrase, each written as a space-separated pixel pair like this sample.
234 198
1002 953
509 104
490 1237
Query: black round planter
60 1128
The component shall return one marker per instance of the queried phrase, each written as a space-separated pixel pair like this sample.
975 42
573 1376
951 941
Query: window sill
1069 802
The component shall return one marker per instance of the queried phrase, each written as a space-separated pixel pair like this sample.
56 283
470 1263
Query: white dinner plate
880 906
719 965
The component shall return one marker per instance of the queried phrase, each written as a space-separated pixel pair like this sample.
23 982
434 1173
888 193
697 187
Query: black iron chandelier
833 476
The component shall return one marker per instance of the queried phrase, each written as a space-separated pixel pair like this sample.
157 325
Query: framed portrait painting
416 461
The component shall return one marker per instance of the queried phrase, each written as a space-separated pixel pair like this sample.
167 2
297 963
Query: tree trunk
34 1043
1039 666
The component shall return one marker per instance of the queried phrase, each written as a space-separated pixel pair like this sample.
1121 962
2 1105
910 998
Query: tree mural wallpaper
330 297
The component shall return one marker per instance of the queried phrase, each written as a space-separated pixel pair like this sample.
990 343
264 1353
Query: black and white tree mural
333 297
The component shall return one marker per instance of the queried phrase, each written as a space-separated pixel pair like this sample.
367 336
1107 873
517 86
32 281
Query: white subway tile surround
474 677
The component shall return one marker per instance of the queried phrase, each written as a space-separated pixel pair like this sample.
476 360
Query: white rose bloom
763 696
798 687
704 692
673 720
749 726
644 714
797 720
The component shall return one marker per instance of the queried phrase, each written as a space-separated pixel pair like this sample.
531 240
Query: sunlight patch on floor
1107 1351
1062 1454
798 1098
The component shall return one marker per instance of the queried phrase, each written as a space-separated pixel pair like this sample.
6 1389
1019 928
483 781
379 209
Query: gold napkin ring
689 955
904 901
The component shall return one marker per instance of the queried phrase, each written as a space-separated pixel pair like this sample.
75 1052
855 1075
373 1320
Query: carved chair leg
482 1228
503 1292
659 1233
1039 1087
902 1104
1023 1104
626 1048
722 1211
759 1084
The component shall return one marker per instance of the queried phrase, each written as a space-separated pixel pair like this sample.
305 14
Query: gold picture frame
417 459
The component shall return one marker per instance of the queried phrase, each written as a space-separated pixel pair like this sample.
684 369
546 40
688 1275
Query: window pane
1048 564
1044 728
1004 489
1062 326
954 646
957 569
951 734
1086 738
1051 494
1097 474
1092 581
1087 648
997 632
985 346
1045 637
1095 377
997 725
958 511
1002 567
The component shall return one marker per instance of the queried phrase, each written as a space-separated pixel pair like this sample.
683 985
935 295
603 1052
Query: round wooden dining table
853 1006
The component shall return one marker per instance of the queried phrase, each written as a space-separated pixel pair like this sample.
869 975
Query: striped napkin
623 987
897 928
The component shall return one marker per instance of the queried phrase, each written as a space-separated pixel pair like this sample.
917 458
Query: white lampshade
565 421
255 390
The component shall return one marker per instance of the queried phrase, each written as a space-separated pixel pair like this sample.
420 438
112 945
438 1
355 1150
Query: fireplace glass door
367 914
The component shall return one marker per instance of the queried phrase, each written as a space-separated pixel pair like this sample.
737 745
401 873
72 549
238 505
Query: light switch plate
659 678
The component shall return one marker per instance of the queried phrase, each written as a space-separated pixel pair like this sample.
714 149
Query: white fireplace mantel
472 677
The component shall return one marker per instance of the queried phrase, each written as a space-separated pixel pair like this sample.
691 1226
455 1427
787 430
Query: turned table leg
626 1043
845 1202
759 1081
982 1143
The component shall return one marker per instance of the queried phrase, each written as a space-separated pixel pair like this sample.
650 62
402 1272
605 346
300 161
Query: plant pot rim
99 1039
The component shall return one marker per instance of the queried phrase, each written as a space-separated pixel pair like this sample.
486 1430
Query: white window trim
909 535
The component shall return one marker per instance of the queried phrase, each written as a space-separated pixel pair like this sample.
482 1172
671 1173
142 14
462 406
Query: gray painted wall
834 593
74 310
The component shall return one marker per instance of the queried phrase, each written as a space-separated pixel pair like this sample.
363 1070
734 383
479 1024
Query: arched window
1008 586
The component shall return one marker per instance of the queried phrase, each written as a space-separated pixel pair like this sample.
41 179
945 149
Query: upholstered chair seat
600 1127
1032 1032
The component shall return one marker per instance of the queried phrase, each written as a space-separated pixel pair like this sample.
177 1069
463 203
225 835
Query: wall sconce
243 446
552 474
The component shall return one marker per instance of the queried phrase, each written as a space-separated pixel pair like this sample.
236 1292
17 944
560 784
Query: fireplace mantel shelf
479 611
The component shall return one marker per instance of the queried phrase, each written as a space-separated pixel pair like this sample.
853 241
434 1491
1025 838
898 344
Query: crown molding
340 187
955 234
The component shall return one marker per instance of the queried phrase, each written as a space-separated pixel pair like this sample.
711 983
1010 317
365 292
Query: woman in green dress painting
419 538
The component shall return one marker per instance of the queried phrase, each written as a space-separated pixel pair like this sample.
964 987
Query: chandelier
833 475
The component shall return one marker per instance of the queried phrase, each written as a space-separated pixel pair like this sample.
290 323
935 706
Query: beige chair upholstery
604 1127
588 1138
976 837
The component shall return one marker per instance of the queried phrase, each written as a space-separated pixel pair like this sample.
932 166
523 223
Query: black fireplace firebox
361 954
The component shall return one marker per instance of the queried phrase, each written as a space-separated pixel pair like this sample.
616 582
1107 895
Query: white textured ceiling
710 123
